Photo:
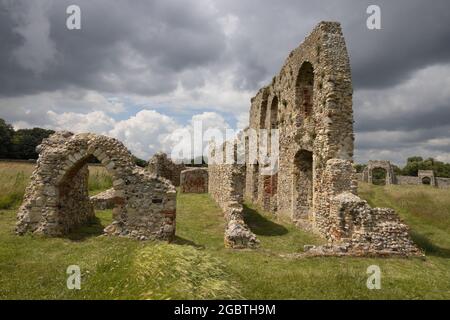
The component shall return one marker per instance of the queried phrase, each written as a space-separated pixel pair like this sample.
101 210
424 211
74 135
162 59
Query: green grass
425 208
197 266
99 179
14 177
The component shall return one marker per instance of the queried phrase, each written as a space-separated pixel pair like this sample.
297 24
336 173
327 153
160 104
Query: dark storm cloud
169 37
435 117
118 44
151 47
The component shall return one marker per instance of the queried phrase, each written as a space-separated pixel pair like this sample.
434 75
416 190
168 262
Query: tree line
21 143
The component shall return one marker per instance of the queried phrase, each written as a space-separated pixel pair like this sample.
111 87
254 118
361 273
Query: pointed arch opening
302 188
304 89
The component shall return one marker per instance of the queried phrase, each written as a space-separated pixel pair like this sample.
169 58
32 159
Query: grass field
197 266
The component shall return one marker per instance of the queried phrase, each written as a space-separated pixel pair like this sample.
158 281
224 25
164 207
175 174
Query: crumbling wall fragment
194 180
226 186
162 166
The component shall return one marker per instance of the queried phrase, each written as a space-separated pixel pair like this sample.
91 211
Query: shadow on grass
429 247
93 228
185 242
262 226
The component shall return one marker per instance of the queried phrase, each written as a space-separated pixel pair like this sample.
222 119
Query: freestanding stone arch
379 164
57 200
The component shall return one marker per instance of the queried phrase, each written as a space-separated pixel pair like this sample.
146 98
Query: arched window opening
262 119
302 185
305 90
274 113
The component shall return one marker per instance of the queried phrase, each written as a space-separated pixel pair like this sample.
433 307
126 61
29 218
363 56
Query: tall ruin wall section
313 182
310 102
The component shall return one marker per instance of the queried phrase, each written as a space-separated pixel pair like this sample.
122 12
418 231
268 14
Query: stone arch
57 199
426 180
379 164
302 187
304 89
263 114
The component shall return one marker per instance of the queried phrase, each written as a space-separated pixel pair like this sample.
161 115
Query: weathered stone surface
162 166
104 200
226 186
313 182
310 102
56 200
194 180
367 174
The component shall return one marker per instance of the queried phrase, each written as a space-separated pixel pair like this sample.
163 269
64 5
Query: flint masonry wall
352 226
162 166
194 180
443 183
56 200
313 182
226 187
310 102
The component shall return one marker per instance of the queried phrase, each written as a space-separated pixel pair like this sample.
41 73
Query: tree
6 134
25 141
414 164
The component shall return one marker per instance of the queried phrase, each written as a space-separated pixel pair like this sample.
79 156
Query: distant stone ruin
386 166
424 177
313 182
194 180
162 166
57 201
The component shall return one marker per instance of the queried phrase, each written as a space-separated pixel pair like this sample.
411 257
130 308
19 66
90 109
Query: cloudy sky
141 70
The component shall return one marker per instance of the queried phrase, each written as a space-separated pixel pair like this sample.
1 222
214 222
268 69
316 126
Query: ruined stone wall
407 180
56 200
226 186
352 226
310 102
162 166
194 180
443 183
313 182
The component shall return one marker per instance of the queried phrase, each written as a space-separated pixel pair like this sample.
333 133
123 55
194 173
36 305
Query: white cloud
97 122
145 133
